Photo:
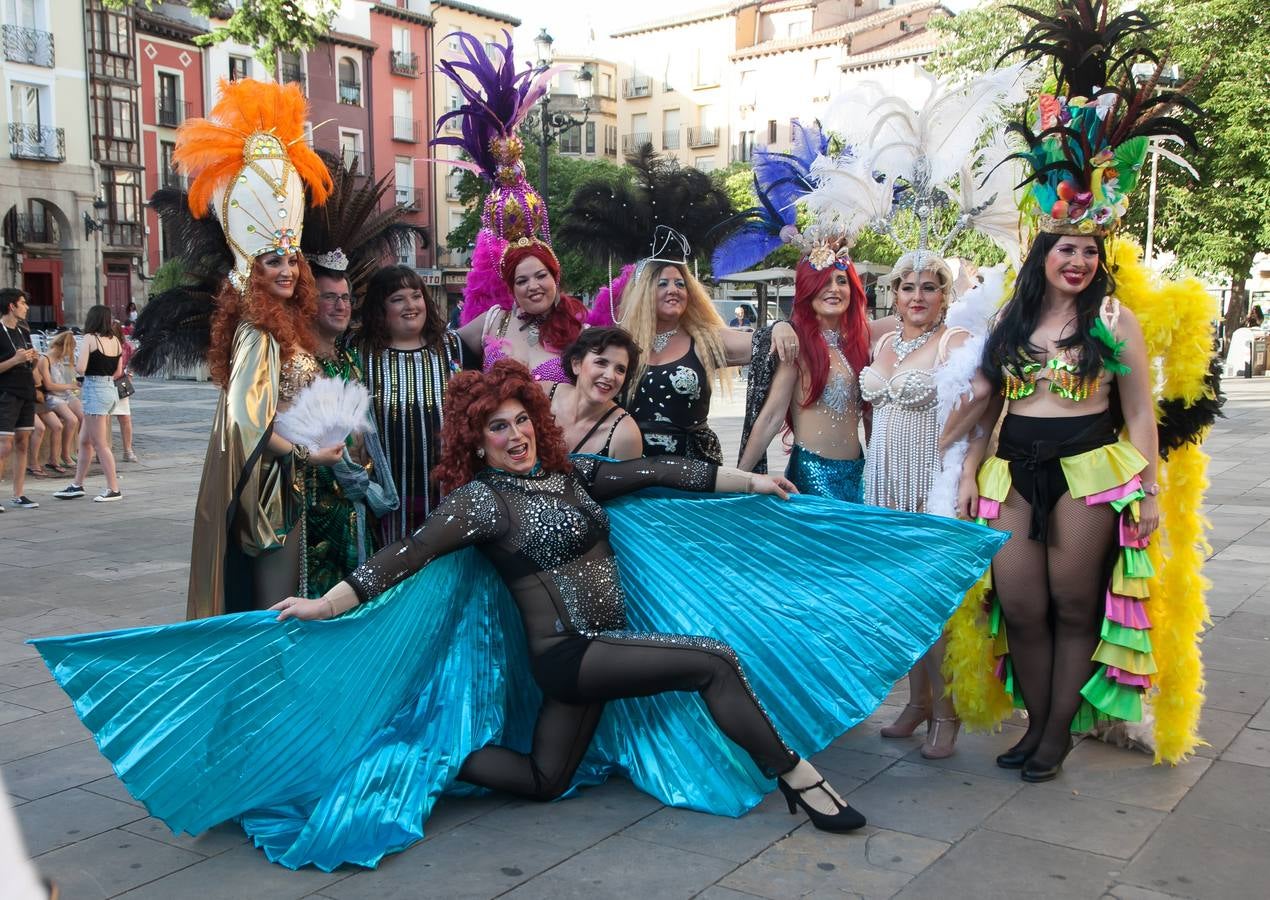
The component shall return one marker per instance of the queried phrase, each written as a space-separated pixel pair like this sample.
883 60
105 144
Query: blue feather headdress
780 180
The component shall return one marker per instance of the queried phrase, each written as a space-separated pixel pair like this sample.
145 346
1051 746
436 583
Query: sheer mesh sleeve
605 480
471 515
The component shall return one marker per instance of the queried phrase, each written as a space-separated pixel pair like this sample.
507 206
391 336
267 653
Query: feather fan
325 413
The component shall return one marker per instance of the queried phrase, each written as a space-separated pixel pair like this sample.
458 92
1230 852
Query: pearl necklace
662 339
905 348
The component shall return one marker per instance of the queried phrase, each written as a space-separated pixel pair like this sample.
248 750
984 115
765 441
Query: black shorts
17 413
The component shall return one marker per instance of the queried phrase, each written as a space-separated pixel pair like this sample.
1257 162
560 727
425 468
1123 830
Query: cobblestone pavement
1112 825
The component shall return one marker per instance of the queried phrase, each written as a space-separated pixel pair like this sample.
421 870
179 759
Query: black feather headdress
615 222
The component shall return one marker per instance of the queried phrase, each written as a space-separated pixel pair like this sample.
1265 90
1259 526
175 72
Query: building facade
708 86
47 182
597 138
488 27
173 89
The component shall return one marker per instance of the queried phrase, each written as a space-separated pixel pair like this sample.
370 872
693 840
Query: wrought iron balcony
410 197
403 63
703 137
36 142
637 86
24 228
172 112
28 45
632 142
351 93
404 129
292 73
670 139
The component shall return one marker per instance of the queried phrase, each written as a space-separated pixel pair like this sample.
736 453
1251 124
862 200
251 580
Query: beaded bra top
1062 373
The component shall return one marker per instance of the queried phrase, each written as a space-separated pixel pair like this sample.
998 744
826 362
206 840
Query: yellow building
47 181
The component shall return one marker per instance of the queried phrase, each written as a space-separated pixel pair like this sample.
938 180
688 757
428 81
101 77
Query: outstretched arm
471 515
609 480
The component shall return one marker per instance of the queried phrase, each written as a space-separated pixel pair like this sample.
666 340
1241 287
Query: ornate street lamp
551 125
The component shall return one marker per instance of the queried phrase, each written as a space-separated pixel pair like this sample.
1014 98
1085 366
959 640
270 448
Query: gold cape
246 500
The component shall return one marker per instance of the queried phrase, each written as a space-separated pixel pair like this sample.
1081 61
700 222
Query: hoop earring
480 452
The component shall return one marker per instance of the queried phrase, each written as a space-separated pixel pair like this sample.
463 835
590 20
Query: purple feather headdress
496 99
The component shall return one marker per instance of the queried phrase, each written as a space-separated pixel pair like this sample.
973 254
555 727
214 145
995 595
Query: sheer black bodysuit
547 537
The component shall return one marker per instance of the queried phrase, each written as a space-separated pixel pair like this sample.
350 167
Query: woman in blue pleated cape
331 740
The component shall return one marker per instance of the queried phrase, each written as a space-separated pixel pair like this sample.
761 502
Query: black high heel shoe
845 819
1036 772
1014 758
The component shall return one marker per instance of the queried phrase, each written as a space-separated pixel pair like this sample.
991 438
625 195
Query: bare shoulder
879 328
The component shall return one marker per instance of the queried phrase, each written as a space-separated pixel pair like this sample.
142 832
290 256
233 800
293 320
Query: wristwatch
1152 489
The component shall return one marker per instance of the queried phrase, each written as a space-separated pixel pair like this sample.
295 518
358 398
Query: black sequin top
547 537
671 405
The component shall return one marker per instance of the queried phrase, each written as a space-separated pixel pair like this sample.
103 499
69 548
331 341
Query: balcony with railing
632 142
403 63
25 228
292 73
703 137
123 234
172 112
28 45
410 197
38 142
404 129
670 139
637 86
351 93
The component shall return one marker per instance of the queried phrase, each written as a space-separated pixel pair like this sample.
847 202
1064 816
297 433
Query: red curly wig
564 322
853 329
290 324
471 398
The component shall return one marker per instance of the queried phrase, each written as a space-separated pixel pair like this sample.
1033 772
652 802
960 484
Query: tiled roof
480 11
919 44
836 34
687 18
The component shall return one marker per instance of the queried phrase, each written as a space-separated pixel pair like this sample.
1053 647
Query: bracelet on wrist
300 454
1152 490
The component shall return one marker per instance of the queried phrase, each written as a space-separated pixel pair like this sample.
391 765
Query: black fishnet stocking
1052 599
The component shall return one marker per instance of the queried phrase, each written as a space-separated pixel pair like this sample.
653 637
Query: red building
334 76
170 69
400 86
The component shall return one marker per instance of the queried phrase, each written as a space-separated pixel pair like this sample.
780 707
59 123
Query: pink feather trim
603 314
485 286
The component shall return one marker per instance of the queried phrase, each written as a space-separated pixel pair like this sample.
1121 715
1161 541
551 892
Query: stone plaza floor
1112 825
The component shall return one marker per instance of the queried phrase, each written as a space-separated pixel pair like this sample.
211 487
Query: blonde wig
922 261
700 321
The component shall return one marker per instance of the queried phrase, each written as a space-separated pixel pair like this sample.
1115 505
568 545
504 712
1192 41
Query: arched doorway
37 231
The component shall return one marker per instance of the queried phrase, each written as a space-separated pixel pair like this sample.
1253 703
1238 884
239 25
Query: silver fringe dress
903 456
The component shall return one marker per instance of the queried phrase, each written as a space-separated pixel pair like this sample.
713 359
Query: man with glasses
342 501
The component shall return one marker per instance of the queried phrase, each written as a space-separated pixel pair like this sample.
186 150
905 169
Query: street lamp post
553 124
1170 77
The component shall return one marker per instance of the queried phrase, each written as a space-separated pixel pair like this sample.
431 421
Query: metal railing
703 137
24 228
637 86
28 45
351 93
172 112
293 74
632 142
170 180
36 142
410 197
670 139
404 129
403 63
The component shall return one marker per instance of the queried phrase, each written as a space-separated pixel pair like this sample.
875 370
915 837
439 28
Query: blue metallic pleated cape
330 741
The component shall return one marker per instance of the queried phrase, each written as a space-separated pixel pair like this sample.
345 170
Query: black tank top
100 364
671 405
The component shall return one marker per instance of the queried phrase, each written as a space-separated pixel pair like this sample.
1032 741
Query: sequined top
297 373
551 369
671 405
546 535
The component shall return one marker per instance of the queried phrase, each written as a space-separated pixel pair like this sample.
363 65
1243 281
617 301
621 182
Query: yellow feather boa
1177 324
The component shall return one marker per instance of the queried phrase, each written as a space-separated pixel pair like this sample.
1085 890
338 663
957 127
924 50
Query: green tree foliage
973 40
1220 222
270 26
564 174
169 275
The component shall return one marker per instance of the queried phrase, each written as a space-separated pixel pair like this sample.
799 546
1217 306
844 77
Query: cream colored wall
671 55
603 110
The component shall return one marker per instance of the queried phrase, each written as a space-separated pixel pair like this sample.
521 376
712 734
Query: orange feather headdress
249 163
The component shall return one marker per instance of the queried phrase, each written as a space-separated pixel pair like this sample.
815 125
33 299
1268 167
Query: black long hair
1009 342
385 282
